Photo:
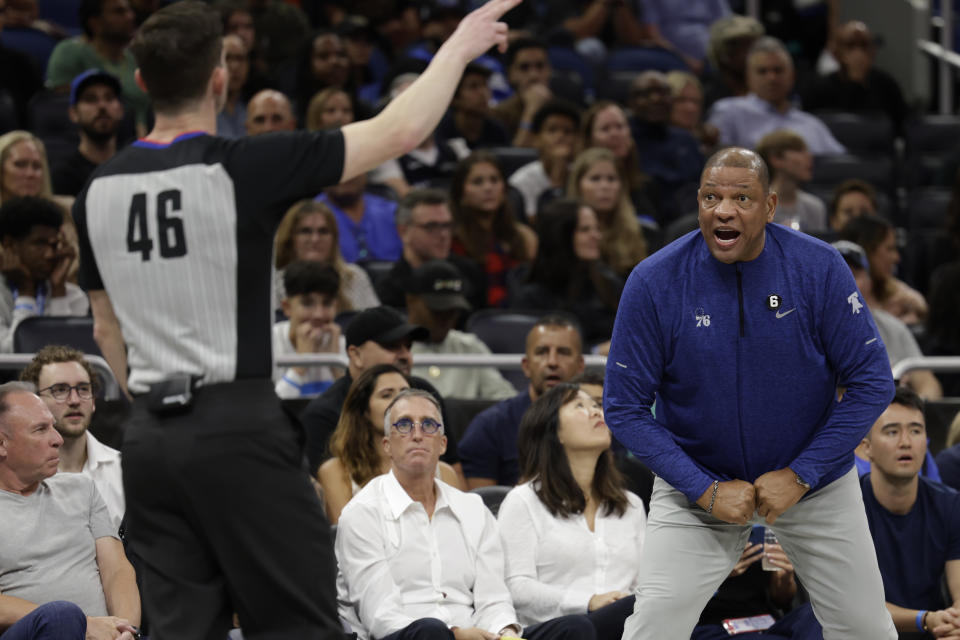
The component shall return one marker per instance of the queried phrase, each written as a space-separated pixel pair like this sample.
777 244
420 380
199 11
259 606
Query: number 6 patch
774 301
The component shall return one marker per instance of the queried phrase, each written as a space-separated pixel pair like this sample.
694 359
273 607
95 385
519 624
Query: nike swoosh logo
869 341
785 313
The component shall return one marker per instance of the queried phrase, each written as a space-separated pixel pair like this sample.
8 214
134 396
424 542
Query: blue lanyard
41 296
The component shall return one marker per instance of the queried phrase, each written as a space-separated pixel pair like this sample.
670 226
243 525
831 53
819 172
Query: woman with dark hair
485 226
568 273
571 533
879 239
356 445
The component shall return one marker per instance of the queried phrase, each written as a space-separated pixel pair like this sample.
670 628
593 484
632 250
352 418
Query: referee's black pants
224 520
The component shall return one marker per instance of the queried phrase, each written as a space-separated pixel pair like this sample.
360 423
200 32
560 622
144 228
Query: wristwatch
801 481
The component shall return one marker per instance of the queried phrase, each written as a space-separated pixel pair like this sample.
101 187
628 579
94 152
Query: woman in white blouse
572 533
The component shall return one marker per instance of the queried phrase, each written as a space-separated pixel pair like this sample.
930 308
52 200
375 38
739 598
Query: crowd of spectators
559 166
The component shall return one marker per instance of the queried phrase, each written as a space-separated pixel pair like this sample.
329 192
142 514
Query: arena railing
498 360
945 364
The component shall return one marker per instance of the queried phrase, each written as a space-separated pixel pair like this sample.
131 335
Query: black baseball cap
90 77
383 325
440 284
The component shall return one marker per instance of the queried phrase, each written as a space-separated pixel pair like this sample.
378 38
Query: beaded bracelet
713 498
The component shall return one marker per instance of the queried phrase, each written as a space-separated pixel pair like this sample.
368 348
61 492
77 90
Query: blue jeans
58 620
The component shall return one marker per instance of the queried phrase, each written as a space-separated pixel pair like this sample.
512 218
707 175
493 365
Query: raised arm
415 113
106 331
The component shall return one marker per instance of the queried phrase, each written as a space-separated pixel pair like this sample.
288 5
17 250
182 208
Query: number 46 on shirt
172 239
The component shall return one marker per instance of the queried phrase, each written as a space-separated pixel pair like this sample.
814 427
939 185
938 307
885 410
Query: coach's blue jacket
744 361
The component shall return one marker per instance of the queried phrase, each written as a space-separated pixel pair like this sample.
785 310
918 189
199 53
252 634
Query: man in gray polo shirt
57 543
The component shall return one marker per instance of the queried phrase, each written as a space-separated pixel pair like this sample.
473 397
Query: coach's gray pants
688 553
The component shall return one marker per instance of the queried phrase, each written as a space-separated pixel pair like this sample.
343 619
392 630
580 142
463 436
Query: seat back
460 412
32 334
377 270
492 496
33 42
862 135
512 158
929 140
504 331
877 170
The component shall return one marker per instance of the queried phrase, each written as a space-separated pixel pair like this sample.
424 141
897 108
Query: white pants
687 553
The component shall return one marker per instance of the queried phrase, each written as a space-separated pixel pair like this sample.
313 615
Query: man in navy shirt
915 522
488 449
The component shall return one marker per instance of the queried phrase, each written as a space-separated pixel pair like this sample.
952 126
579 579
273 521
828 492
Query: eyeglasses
435 227
61 391
428 426
309 231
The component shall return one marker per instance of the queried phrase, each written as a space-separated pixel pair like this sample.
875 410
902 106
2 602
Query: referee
176 234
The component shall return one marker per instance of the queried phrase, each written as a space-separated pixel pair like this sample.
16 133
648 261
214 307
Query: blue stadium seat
504 331
643 58
861 134
62 12
927 207
877 170
929 140
512 158
377 270
33 42
34 333
569 62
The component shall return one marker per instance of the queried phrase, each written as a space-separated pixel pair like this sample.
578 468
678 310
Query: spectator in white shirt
310 303
37 259
67 384
356 446
419 559
791 165
554 131
572 534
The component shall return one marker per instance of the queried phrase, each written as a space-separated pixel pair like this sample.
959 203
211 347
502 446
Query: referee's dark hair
305 276
177 49
19 215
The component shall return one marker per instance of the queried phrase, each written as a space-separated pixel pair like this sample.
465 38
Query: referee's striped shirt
180 236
